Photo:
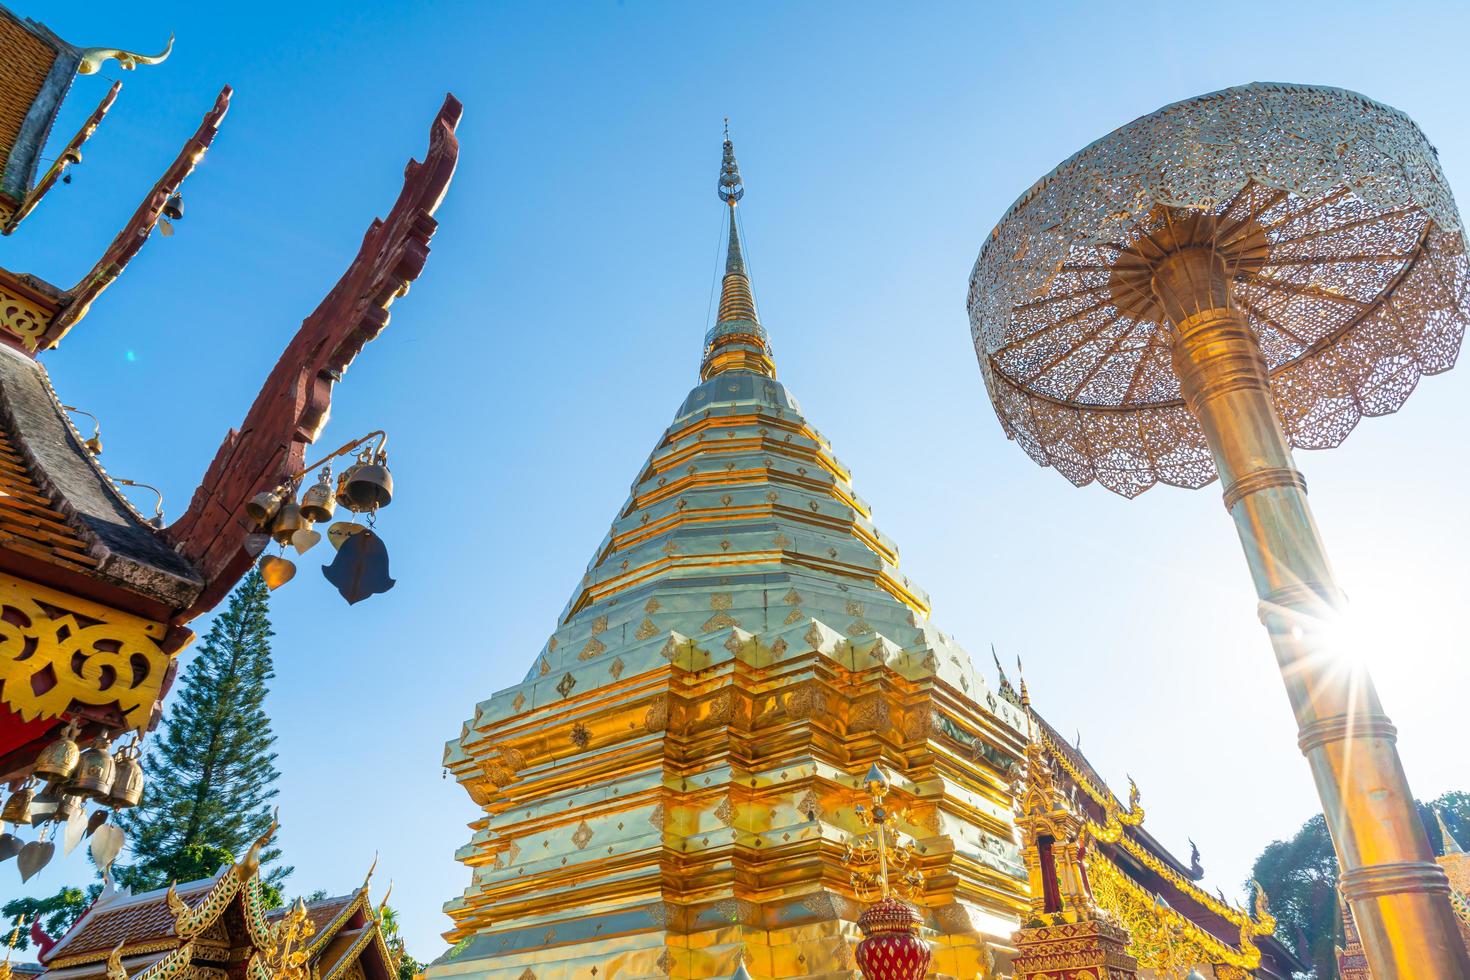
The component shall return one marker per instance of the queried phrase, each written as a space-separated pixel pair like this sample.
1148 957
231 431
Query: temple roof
34 78
81 521
119 917
346 930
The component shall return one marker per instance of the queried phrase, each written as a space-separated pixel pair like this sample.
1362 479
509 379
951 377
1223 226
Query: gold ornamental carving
24 319
58 649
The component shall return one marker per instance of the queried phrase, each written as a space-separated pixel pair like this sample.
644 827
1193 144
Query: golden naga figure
92 58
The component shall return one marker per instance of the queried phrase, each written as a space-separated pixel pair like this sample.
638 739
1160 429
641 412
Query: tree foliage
55 913
1300 879
407 965
212 774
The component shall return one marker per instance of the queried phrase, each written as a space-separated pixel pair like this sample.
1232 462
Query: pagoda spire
1451 846
737 341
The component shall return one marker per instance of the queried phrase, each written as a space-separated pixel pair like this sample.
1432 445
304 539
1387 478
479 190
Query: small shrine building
216 928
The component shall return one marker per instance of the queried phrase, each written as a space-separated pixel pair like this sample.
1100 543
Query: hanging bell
18 808
58 760
173 208
94 445
318 502
368 487
288 521
127 780
263 506
68 804
95 771
344 478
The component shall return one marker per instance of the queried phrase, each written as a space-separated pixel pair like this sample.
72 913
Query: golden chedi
672 785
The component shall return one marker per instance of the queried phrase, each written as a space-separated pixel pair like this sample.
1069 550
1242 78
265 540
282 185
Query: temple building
220 927
675 788
95 596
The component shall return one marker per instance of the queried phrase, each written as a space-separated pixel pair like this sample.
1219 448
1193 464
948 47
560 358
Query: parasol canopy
1346 258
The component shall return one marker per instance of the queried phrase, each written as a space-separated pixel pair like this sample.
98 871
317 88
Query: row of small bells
73 777
360 568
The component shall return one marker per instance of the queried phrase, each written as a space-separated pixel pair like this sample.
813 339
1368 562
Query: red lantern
892 949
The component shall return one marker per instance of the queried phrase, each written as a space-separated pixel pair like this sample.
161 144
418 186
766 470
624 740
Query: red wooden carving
128 241
291 408
71 154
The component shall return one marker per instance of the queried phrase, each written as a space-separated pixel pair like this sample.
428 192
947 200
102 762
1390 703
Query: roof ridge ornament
92 58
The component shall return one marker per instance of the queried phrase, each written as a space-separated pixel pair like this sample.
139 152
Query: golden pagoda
675 789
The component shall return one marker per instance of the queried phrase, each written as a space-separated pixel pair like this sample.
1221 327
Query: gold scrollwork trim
1112 833
26 320
1162 938
56 649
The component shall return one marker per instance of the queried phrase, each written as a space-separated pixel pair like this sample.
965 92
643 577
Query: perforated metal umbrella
1190 297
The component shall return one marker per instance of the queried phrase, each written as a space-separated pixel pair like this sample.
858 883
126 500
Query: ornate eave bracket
291 408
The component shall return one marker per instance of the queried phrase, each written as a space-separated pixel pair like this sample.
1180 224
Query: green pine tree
211 776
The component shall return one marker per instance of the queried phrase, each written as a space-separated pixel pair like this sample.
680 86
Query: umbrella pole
1399 896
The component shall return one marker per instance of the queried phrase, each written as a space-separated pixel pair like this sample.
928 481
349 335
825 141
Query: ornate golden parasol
1188 298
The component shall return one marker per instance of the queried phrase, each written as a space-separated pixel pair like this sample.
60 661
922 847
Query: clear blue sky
558 326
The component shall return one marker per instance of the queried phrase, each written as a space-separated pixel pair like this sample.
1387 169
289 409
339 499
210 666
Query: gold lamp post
1193 296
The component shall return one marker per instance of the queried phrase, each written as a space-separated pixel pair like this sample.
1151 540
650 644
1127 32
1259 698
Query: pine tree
212 774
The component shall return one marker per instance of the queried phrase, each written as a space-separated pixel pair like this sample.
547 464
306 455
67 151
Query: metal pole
1399 895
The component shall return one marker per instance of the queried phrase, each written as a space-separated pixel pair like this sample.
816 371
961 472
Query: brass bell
344 478
95 771
18 808
263 506
288 521
318 502
68 804
173 208
369 486
127 780
94 445
58 760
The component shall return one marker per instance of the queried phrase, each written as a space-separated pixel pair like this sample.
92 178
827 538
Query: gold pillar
1399 896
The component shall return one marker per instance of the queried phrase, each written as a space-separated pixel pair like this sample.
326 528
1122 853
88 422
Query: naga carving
291 408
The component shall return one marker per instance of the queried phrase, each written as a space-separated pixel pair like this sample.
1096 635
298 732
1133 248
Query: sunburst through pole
1194 295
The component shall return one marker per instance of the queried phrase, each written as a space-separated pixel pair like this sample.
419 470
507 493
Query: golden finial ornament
875 857
5 968
285 952
891 948
92 58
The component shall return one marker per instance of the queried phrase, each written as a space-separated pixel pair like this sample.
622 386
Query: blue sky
558 325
